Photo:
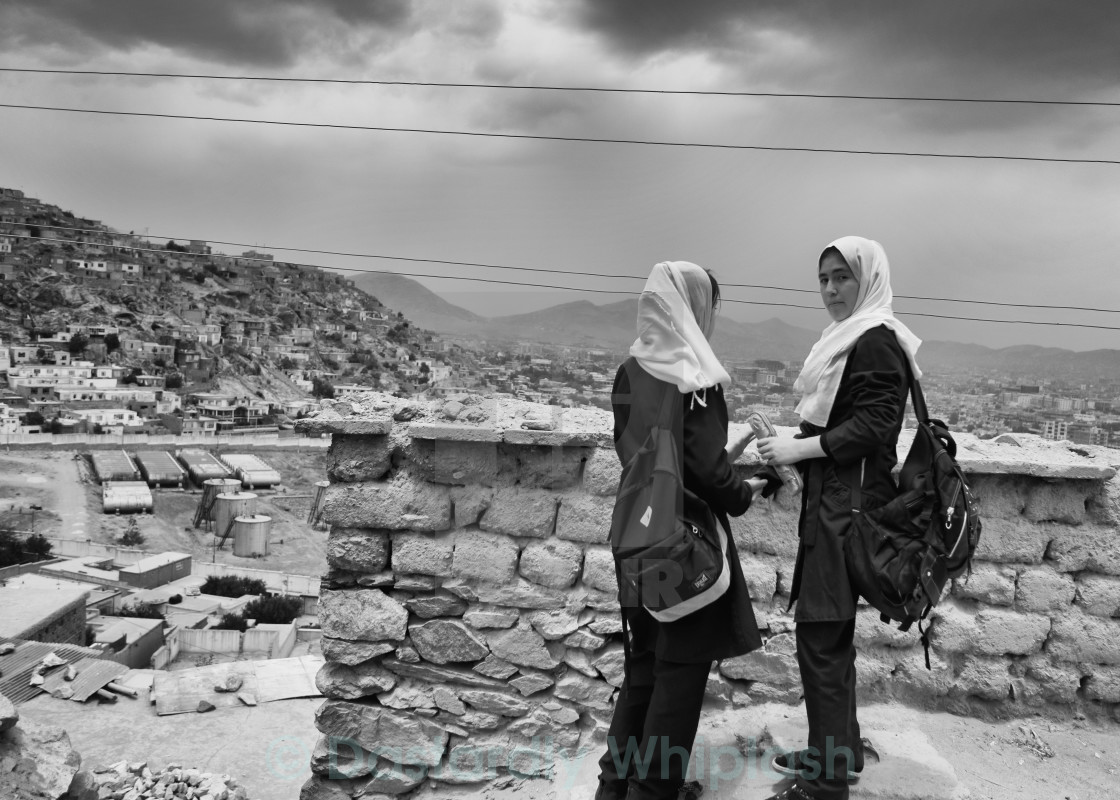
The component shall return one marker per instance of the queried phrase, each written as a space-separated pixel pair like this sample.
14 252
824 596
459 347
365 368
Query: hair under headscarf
819 380
675 319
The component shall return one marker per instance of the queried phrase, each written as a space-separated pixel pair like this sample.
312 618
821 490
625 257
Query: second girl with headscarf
658 708
853 395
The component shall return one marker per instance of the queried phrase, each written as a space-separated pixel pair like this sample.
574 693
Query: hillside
242 324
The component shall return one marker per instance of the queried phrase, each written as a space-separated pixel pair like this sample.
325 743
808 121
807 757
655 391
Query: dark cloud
273 33
959 45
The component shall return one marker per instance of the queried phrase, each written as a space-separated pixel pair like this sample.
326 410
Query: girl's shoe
790 765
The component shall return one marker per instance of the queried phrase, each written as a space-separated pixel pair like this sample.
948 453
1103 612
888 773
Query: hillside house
189 425
138 348
89 395
111 420
9 420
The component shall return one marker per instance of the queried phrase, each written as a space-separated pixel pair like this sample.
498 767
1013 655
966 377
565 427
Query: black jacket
727 627
860 443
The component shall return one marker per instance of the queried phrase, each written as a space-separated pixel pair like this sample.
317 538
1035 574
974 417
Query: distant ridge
611 327
417 302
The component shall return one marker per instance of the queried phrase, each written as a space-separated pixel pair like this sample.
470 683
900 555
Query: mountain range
611 327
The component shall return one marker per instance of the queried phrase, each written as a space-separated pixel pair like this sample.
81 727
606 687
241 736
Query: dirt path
70 507
48 481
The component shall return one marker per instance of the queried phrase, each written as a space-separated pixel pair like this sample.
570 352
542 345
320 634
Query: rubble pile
136 781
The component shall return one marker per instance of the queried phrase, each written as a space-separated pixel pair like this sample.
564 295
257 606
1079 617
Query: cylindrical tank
215 486
126 496
250 535
228 506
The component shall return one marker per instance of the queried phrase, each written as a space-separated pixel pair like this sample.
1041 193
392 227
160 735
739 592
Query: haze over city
1031 232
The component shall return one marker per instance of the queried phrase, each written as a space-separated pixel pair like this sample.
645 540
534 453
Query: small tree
174 381
132 537
321 388
78 343
112 343
37 546
280 610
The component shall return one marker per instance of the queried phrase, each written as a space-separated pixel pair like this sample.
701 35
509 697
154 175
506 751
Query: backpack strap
644 385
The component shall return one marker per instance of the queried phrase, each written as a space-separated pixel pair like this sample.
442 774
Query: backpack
668 561
901 555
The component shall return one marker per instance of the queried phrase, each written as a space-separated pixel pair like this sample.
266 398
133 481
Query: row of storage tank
231 512
161 468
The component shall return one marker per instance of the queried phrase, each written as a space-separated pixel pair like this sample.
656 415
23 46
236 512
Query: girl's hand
758 485
779 450
736 447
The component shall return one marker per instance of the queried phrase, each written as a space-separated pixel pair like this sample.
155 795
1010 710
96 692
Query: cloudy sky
1007 231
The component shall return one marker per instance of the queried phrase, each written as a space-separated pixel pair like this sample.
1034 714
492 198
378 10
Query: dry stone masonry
471 624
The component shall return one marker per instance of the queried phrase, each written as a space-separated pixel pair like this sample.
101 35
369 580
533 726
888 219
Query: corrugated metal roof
159 466
114 465
202 466
16 668
93 674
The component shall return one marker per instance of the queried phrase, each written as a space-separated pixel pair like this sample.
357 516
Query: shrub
141 610
132 537
280 610
37 546
232 622
233 586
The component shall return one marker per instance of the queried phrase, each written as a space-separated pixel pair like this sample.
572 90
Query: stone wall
471 625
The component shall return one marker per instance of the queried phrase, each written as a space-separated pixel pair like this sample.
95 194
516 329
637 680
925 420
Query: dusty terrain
62 484
268 748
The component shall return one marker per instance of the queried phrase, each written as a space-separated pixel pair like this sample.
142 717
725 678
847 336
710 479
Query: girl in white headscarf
658 707
853 397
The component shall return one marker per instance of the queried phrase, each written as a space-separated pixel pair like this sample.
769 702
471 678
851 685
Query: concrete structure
157 570
130 640
470 565
43 609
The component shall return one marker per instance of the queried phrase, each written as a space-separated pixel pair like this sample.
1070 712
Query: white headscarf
675 318
820 377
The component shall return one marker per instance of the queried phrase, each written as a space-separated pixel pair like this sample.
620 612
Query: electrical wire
547 88
268 261
446 262
581 139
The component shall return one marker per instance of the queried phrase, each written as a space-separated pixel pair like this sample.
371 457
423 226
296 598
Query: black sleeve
707 470
876 380
620 404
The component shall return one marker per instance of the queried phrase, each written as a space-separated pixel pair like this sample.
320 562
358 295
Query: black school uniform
669 661
860 443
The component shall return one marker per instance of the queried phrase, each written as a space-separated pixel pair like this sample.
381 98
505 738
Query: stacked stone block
471 623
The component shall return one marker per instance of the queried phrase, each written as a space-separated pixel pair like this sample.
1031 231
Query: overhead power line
414 259
582 139
267 261
591 89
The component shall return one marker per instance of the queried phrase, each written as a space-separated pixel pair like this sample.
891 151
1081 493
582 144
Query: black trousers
655 720
826 654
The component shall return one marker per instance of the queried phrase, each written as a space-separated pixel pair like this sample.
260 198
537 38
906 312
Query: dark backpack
901 555
669 553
